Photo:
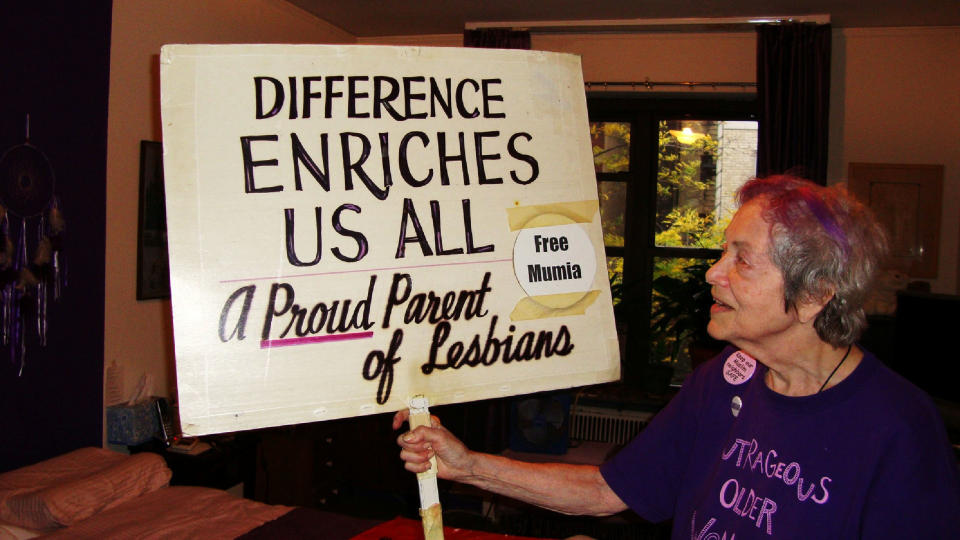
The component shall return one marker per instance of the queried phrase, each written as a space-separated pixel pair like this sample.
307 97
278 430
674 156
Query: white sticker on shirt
735 405
739 367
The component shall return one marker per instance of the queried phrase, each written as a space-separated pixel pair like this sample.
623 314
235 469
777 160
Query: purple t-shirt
730 458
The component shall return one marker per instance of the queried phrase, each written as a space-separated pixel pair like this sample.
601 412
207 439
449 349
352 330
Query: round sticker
739 367
554 260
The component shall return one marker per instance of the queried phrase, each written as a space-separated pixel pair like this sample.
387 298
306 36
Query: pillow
69 488
64 468
12 532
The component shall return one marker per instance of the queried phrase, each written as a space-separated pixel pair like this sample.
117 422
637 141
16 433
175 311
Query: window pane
680 309
615 273
611 146
701 165
613 207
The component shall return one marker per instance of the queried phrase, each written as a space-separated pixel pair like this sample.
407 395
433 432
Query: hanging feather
42 256
15 325
6 255
19 349
56 275
6 310
27 280
57 223
6 245
56 228
6 314
21 344
42 313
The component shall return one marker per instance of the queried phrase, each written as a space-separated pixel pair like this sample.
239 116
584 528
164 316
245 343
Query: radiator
606 425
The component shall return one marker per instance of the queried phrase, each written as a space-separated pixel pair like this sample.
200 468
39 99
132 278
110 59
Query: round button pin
739 367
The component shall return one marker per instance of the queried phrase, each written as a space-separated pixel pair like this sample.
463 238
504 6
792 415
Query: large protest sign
349 226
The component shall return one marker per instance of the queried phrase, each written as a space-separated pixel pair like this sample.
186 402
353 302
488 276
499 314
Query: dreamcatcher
31 238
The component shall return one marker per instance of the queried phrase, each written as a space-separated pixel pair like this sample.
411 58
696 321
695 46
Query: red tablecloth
408 529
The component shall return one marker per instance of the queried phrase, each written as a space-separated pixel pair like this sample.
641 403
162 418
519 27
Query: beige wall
896 99
428 40
660 57
891 87
635 57
139 335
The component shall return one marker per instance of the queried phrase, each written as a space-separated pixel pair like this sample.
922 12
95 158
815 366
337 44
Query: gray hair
825 243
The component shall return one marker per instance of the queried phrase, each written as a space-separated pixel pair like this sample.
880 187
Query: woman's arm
570 489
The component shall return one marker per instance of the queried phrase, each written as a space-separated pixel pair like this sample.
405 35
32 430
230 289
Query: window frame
644 112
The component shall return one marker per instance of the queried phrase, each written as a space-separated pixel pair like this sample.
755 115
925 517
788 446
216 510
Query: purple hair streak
825 218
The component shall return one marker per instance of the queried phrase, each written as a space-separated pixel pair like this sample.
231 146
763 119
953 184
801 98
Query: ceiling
371 18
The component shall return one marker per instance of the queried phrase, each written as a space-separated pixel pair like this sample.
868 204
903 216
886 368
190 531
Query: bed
94 493
98 493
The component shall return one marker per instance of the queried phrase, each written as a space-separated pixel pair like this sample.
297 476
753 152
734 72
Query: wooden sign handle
430 511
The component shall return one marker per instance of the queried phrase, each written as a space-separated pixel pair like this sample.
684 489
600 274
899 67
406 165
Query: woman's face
747 287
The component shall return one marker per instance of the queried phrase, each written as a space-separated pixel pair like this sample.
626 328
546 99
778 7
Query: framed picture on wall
906 200
153 266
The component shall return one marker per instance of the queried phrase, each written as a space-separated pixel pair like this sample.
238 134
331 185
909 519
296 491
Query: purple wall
55 65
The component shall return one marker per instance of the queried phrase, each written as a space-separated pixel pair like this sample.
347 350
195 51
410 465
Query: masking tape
545 215
432 518
541 307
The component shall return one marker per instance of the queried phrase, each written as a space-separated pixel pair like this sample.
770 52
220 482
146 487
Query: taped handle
430 512
420 416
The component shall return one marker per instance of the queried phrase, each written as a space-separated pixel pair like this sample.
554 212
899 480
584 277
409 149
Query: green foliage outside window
679 168
686 185
611 146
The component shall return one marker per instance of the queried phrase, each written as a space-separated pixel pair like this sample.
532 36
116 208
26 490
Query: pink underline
365 270
271 343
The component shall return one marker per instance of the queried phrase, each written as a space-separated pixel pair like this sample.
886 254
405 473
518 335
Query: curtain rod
632 25
648 84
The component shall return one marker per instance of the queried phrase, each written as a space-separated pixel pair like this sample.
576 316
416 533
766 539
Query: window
667 173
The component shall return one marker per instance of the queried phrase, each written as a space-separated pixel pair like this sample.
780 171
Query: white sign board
350 226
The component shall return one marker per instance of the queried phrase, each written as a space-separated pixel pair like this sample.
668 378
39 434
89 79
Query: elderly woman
793 431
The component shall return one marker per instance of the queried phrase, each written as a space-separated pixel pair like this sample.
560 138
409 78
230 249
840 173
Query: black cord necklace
842 360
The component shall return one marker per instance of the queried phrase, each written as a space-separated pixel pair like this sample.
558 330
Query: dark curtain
496 38
793 87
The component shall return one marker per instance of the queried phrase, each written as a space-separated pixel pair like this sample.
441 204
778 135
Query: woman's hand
571 489
454 460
